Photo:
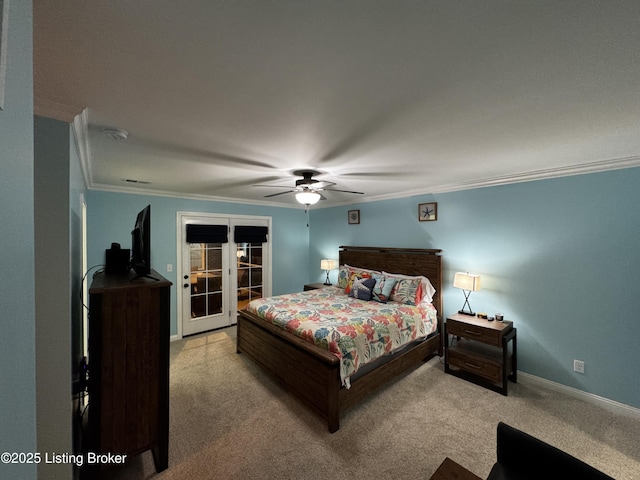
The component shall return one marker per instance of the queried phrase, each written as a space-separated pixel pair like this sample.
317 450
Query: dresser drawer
475 364
474 332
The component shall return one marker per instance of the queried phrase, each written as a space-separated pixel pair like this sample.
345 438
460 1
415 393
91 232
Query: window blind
207 233
249 234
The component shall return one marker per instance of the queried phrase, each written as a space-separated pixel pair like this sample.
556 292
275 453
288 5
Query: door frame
206 217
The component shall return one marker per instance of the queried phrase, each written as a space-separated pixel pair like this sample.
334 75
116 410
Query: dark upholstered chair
523 457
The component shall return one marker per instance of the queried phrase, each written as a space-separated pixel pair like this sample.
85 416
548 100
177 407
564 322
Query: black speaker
117 261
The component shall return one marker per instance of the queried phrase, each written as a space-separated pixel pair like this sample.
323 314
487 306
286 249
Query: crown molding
546 174
187 196
81 135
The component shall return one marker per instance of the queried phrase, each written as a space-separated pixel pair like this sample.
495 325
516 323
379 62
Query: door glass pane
249 272
206 279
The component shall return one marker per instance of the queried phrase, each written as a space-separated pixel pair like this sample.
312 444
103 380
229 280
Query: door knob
186 285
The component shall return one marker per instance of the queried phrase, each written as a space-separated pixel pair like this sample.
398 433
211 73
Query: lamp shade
308 197
467 281
327 264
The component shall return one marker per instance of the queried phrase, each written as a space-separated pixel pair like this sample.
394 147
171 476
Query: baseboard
611 405
175 338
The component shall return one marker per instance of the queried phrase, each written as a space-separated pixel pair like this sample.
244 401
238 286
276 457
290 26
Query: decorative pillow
345 272
343 276
361 270
406 291
383 287
352 279
362 288
426 292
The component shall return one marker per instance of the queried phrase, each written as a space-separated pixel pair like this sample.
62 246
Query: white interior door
218 278
252 265
205 283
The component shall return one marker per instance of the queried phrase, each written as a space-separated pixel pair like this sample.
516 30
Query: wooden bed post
333 405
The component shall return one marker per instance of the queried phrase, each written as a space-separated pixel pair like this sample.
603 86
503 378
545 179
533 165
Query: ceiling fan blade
307 184
230 185
321 185
376 174
343 191
280 193
271 186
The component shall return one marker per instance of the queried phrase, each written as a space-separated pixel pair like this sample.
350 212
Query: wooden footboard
310 373
313 374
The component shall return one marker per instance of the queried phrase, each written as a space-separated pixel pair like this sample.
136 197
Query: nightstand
481 351
315 286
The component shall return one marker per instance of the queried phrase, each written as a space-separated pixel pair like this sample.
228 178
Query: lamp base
466 305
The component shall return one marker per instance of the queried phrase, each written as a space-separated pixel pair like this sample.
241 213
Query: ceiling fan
307 189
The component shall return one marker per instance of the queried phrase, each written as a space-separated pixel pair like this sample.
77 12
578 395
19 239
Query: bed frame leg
333 400
334 424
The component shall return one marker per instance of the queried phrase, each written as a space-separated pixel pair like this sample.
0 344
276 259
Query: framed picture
4 26
353 216
428 212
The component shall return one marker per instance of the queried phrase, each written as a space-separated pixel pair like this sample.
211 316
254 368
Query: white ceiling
380 96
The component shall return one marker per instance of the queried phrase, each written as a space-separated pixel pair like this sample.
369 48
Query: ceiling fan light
308 198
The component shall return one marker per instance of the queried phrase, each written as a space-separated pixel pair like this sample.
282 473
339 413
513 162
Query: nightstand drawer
477 365
474 332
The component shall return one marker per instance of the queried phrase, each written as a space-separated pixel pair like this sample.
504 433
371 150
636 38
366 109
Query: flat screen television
141 243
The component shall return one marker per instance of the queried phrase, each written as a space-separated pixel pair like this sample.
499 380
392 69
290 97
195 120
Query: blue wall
559 257
17 256
111 217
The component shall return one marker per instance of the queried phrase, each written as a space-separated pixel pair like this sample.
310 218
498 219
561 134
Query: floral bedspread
356 331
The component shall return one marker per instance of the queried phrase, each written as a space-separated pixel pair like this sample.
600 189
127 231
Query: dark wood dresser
128 411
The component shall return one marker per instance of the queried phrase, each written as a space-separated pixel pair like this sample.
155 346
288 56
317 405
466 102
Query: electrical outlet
169 267
578 366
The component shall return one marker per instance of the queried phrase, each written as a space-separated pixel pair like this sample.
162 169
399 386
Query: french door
223 267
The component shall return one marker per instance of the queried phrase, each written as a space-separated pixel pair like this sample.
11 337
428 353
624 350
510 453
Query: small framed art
428 212
353 217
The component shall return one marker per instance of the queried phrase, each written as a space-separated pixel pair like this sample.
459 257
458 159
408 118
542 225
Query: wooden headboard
409 261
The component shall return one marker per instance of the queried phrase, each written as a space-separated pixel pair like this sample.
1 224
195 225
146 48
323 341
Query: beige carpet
229 420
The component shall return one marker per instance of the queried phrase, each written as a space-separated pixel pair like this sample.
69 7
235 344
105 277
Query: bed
316 375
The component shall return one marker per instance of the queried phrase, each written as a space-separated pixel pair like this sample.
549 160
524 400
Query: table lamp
327 265
468 283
